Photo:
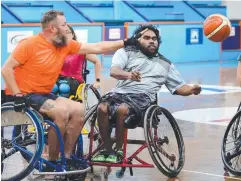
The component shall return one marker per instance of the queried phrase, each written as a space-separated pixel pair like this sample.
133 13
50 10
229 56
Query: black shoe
74 164
70 165
77 177
49 168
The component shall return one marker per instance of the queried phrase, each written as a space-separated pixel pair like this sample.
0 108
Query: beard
146 50
59 40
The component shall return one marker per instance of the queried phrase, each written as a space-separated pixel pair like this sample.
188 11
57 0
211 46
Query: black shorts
34 100
137 104
37 100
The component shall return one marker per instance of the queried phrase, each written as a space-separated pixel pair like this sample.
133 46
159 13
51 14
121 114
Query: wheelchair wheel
90 96
166 147
239 107
231 145
94 135
20 151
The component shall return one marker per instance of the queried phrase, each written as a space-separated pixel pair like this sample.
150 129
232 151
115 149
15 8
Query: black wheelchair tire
157 160
36 155
224 158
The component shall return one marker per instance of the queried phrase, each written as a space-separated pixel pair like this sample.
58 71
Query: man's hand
134 39
196 89
187 90
135 76
19 102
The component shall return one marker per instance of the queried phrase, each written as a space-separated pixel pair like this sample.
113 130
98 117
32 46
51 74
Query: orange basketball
217 27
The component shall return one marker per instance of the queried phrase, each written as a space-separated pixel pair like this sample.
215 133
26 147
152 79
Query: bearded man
31 72
141 71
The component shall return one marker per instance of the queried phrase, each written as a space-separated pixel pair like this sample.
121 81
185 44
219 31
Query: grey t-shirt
154 72
239 57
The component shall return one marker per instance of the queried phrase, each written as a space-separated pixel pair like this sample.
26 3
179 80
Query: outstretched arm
101 47
109 46
187 90
177 85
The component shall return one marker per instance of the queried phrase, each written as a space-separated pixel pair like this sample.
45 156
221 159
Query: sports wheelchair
23 136
156 139
231 145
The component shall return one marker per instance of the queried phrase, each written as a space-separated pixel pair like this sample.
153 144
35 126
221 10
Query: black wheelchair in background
231 145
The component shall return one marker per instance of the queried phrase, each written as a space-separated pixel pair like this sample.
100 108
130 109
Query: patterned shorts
137 104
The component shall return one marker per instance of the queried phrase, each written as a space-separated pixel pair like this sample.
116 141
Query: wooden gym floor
202 120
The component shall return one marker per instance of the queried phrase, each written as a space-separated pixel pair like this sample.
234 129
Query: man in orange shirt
33 68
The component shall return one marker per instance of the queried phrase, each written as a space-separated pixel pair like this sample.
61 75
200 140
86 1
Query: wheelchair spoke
230 150
18 146
165 142
234 154
236 160
231 145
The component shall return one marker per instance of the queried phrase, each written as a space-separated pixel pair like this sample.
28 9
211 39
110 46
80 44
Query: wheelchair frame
127 161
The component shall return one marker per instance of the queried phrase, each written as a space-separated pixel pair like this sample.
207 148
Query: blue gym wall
96 30
178 16
174 44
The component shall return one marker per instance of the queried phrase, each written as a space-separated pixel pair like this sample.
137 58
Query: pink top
73 66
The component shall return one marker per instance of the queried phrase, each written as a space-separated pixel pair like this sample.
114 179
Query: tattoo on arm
47 106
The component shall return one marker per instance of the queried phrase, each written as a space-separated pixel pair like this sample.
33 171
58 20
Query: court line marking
211 174
210 89
210 115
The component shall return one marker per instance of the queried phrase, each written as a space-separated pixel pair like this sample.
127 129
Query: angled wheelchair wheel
231 145
239 107
91 140
164 140
90 96
20 150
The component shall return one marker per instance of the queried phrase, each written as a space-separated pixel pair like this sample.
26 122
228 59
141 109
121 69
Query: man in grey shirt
141 71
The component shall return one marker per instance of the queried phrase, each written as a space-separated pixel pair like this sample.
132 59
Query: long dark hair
149 27
73 33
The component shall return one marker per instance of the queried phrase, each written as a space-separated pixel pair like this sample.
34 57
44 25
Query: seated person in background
72 73
239 70
141 71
